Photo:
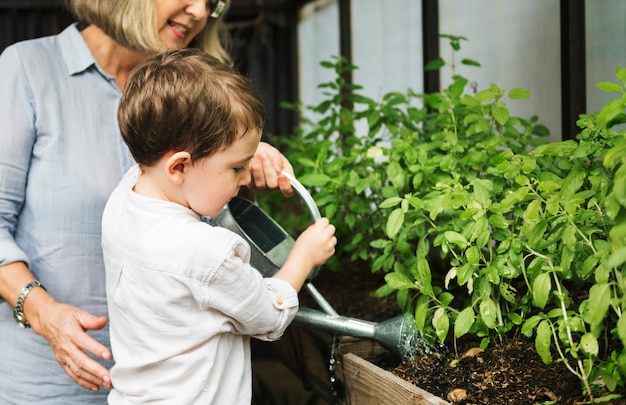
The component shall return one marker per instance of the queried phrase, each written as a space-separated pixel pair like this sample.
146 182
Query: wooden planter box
366 383
358 381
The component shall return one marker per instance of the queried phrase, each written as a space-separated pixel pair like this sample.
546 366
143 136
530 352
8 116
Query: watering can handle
310 204
304 195
315 214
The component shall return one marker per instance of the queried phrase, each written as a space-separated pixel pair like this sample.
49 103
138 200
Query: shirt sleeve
17 137
257 306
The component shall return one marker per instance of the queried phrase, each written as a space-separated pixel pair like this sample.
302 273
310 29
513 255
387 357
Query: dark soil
506 373
509 372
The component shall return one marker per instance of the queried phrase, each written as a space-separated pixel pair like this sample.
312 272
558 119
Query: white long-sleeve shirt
183 301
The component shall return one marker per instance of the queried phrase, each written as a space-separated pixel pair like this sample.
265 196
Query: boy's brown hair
186 100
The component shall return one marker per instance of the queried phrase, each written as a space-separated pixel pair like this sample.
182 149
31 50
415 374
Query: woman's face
179 21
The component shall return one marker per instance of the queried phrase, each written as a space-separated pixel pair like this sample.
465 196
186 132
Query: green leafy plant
340 162
528 237
480 225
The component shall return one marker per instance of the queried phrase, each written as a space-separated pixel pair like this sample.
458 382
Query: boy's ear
176 166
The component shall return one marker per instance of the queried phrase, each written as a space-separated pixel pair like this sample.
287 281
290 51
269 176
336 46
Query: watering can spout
399 335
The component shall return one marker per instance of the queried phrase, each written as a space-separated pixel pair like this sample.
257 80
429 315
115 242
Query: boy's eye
239 169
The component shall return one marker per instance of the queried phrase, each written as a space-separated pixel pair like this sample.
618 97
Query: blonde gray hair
132 24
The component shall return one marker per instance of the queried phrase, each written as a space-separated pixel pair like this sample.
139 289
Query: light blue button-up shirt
61 154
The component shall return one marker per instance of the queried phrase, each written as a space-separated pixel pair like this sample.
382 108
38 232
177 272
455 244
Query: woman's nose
198 8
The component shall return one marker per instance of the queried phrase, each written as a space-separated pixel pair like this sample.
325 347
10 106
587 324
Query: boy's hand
318 241
312 248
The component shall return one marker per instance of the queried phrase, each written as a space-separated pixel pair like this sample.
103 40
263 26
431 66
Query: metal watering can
270 245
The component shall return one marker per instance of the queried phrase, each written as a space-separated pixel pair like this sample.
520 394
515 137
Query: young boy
183 298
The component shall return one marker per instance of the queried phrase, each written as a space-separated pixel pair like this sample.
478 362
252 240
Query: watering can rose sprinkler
270 245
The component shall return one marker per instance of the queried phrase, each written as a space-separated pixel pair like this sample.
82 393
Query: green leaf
488 312
421 311
434 64
569 237
395 174
572 183
519 94
612 87
384 291
618 257
598 304
530 324
470 102
543 341
464 322
469 62
481 125
610 111
445 298
485 95
515 318
564 148
473 255
620 73
514 197
464 275
455 238
315 179
498 221
470 118
441 323
330 210
532 211
379 243
394 222
501 114
536 232
542 286
424 276
589 344
390 202
507 292
615 154
482 189
619 188
589 265
399 281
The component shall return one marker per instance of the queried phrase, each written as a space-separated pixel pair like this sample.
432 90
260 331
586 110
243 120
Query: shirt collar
76 54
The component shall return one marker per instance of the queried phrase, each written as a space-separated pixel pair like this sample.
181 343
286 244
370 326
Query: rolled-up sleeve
257 306
17 137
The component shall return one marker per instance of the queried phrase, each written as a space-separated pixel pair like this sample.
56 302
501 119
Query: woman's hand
64 327
265 168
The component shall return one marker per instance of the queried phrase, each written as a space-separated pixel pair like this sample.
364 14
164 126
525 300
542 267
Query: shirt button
279 300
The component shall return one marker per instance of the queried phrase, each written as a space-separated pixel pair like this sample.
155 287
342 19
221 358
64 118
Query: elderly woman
61 156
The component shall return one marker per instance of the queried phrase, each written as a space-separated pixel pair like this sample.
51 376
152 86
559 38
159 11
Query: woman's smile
180 30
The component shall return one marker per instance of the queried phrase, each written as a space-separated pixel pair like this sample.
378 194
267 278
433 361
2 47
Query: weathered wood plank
367 383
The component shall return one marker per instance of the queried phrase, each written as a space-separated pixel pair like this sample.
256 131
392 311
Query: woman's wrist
18 312
38 301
